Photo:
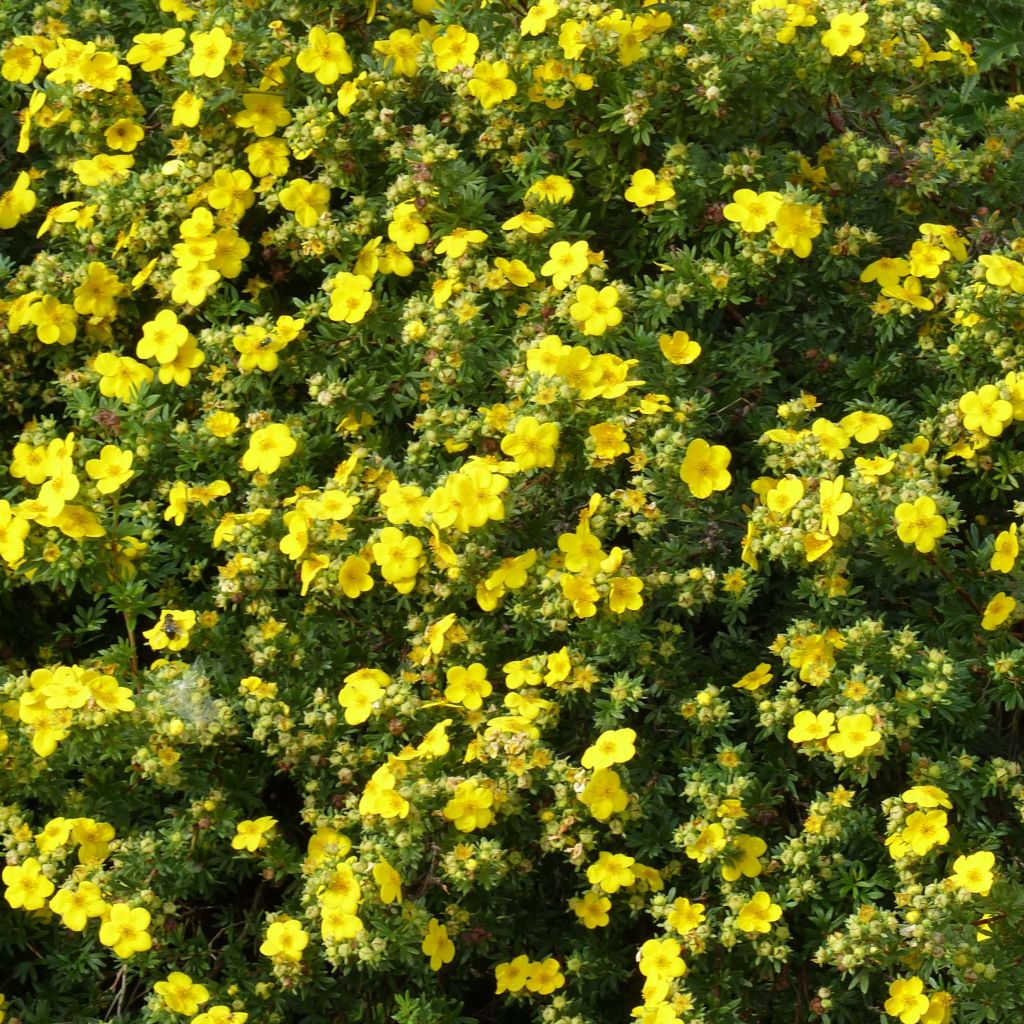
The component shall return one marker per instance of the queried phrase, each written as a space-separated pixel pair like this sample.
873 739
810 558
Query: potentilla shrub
511 513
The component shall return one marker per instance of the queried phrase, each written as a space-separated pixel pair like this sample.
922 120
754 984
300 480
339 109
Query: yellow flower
755 678
679 348
285 941
268 446
209 50
185 110
490 83
532 444
612 871
27 887
470 807
844 32
685 916
252 835
751 210
325 56
112 469
918 523
614 746
907 1001
437 945
595 311
974 872
808 726
758 913
124 930
986 410
856 734
1005 550
456 47
592 910
180 994
307 200
997 611
704 468
646 189
833 502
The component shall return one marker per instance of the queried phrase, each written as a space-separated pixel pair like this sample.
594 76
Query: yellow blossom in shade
307 200
354 576
924 830
112 470
554 188
124 930
742 858
646 189
997 611
490 83
209 49
784 495
856 733
887 271
986 410
709 843
614 746
907 1001
755 678
926 796
388 881
76 906
221 1014
437 945
186 109
603 795
1005 550
592 909
325 56
264 113
919 524
809 726
253 835
612 871
624 594
532 444
180 994
833 502
940 1004
796 224
544 977
511 976
27 887
268 158
751 210
268 446
679 348
974 872
704 468
758 914
609 440
685 916
124 135
285 941
844 32
528 221
96 295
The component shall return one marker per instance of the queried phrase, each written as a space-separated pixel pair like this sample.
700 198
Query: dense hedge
511 514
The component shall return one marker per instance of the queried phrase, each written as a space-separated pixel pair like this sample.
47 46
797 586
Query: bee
170 627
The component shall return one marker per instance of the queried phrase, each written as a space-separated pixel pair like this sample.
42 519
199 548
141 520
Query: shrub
511 514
